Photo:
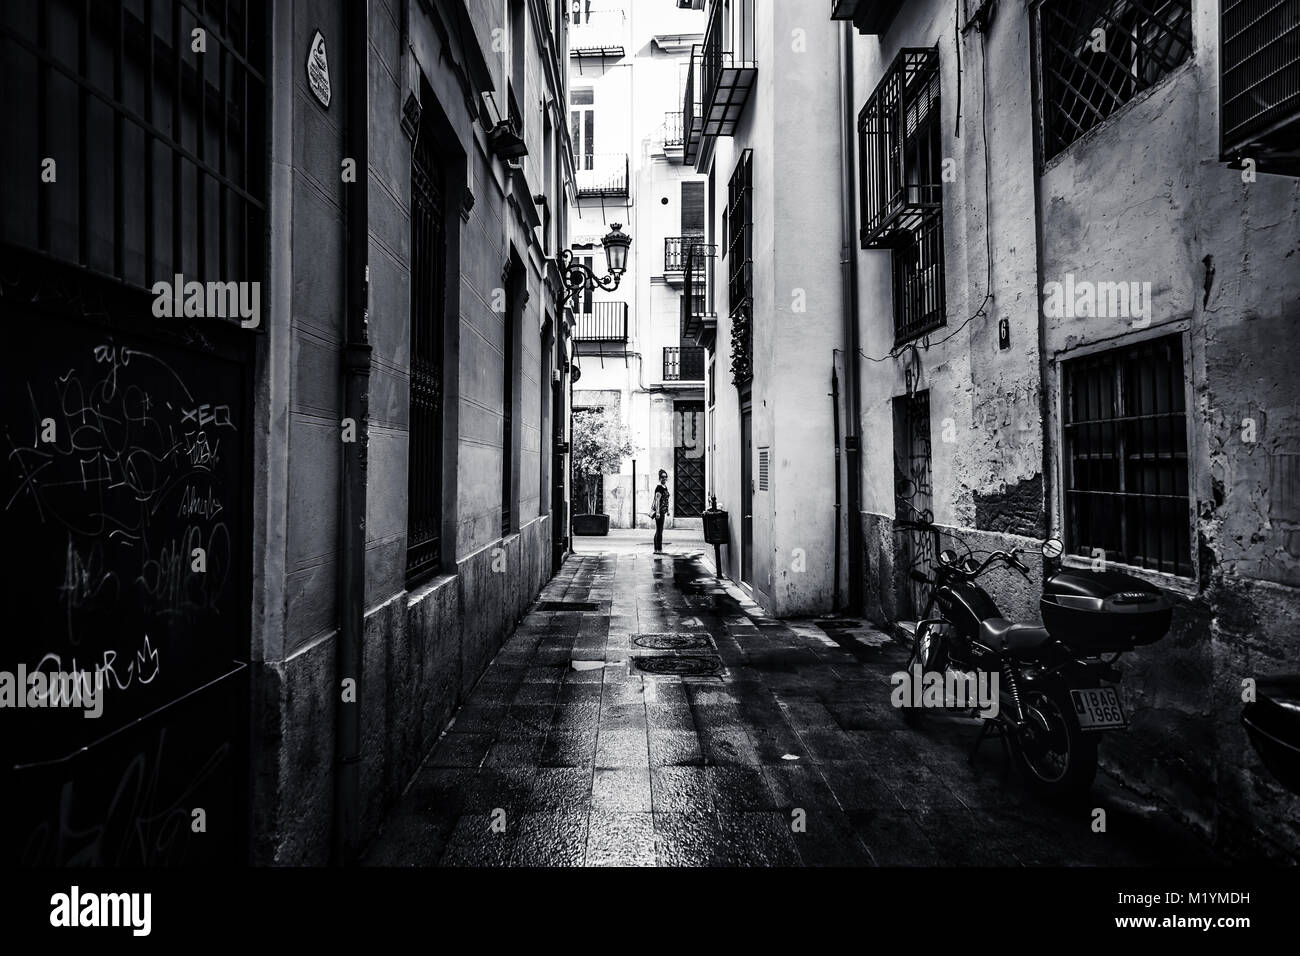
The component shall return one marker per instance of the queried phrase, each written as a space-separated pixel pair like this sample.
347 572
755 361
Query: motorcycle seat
1005 636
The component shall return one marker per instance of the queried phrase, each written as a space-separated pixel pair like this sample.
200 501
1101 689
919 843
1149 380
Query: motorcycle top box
1102 612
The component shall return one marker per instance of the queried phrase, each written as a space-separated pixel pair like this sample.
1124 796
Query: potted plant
600 443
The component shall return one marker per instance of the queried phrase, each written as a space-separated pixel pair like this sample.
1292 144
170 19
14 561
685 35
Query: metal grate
509 318
913 493
684 665
740 266
900 148
1126 482
673 642
428 295
764 456
1096 55
683 363
161 151
919 280
688 459
1260 88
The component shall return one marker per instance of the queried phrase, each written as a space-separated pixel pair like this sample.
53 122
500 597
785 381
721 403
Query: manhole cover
672 642
567 606
683 666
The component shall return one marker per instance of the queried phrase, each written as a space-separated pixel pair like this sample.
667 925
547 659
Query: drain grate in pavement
685 665
672 642
567 606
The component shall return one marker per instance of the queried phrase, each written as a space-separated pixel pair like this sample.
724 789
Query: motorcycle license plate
1098 708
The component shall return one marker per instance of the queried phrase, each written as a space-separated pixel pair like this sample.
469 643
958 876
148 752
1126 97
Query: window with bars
428 293
161 151
740 266
1125 444
901 195
1096 55
509 367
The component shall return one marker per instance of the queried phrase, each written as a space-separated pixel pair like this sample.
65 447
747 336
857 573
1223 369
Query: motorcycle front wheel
1056 757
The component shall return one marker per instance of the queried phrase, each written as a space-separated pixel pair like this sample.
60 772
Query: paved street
568 753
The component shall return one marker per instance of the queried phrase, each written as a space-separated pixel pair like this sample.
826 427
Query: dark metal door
746 494
914 497
688 459
428 297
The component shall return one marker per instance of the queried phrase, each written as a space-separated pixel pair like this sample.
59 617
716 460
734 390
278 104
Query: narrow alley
644 713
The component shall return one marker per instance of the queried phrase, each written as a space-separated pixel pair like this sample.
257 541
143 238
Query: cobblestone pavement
567 753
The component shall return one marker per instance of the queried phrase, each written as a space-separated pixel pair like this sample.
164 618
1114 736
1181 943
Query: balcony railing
698 324
692 109
606 322
727 68
603 33
675 251
602 174
684 363
673 137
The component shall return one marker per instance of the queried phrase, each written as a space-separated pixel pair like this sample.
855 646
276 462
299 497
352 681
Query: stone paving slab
567 755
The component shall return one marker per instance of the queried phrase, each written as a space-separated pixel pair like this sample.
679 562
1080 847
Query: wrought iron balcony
727 67
675 252
899 149
684 363
672 134
606 322
699 325
602 33
602 174
692 108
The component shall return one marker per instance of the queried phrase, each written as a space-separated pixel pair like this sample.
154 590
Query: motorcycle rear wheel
1056 757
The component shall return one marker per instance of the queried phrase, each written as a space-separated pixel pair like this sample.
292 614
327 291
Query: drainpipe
356 382
1043 402
849 262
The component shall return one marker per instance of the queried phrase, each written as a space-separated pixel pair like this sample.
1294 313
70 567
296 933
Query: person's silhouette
660 509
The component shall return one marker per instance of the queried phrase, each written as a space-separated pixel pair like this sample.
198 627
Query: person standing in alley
660 510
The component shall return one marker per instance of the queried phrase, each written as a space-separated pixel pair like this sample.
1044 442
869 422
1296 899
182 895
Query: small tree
600 443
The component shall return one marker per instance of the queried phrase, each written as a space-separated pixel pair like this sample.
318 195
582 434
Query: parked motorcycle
1056 690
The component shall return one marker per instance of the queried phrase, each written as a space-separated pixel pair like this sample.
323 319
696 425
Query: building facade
1059 237
760 112
628 64
314 513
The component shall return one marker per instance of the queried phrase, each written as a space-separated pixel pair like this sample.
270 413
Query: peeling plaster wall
1141 198
1144 198
985 427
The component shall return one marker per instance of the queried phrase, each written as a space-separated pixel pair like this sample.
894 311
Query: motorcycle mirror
947 556
1053 549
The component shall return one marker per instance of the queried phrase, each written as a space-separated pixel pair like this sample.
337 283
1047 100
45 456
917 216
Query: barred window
1096 55
740 266
161 151
902 188
1125 438
428 302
